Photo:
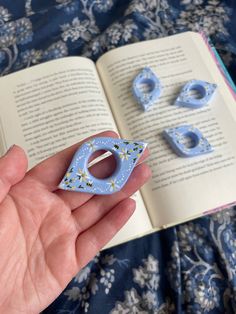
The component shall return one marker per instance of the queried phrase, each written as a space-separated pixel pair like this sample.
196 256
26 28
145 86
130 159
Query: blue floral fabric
190 268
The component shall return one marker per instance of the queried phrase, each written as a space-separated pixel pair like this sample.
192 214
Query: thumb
13 166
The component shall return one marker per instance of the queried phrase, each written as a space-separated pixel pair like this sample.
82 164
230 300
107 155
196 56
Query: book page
51 106
181 188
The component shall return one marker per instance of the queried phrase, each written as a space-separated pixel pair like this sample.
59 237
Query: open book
56 104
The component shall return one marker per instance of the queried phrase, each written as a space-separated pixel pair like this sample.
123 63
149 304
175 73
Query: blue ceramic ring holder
146 98
78 177
204 89
176 137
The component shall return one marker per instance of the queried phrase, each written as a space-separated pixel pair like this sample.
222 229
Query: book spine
217 59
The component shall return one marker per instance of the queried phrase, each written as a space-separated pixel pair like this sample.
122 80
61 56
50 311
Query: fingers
13 166
92 211
101 169
92 240
50 171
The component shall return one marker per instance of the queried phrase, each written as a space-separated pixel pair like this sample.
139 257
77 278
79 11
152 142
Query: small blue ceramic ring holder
206 92
146 98
78 178
176 138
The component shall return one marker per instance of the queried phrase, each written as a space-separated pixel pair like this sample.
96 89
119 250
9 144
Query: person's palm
48 235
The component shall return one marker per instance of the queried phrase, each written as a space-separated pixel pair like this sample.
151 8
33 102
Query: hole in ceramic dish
102 164
189 140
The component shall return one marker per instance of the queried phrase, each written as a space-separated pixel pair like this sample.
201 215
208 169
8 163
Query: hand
47 235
